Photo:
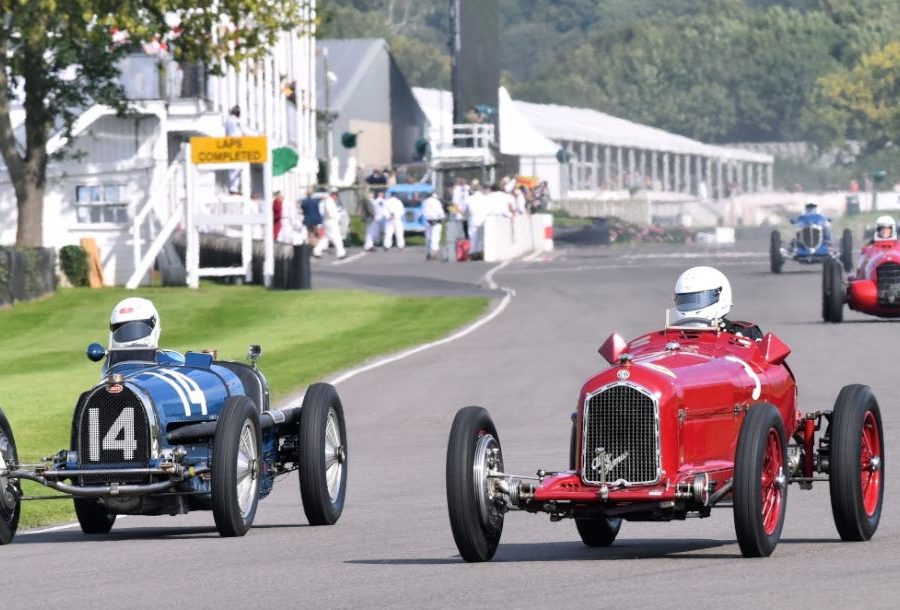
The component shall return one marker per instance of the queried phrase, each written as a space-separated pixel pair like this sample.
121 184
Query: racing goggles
126 332
692 301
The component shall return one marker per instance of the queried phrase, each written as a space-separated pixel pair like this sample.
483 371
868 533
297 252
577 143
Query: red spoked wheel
772 482
857 463
760 481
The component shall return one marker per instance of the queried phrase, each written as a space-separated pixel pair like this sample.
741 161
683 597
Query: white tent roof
518 136
529 126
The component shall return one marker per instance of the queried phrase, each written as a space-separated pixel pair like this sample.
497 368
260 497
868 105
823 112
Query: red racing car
688 418
875 289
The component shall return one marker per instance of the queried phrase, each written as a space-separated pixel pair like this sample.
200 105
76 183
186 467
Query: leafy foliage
74 262
717 70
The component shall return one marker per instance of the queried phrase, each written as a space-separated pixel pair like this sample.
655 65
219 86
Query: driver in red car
885 229
703 299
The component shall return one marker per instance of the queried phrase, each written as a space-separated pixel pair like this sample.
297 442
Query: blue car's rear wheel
10 493
236 467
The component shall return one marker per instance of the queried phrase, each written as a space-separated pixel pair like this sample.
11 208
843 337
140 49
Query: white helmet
704 293
134 324
885 228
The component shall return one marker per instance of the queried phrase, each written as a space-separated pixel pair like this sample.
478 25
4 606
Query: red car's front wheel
760 481
857 463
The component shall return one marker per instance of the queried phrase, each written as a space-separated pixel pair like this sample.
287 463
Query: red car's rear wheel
857 463
760 481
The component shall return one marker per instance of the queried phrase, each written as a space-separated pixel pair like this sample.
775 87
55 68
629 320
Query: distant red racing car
875 288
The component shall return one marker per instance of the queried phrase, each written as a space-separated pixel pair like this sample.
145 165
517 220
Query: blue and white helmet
134 324
702 293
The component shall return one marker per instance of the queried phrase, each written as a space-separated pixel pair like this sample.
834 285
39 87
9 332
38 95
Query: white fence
507 238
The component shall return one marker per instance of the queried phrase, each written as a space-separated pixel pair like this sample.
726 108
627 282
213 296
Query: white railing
163 210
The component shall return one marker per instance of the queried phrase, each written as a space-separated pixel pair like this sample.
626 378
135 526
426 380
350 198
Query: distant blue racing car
165 434
812 243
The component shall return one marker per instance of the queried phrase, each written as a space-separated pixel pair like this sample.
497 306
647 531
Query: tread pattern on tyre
476 541
9 526
832 292
850 408
752 538
320 398
226 510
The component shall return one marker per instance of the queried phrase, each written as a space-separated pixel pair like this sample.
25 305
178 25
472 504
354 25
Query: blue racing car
812 242
164 433
412 196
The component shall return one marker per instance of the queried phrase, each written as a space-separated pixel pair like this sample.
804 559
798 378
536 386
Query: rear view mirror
612 348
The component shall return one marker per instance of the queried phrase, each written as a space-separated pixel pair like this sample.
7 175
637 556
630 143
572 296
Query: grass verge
304 336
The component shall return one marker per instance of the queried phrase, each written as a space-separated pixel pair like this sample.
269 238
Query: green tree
862 102
62 56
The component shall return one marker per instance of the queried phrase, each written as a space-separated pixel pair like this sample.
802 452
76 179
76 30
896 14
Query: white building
605 153
126 179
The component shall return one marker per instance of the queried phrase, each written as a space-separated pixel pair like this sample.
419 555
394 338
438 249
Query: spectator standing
331 217
477 209
234 129
312 217
390 176
393 222
521 200
376 178
374 211
433 211
277 214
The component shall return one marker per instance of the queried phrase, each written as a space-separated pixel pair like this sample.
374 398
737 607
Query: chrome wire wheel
487 457
247 469
334 456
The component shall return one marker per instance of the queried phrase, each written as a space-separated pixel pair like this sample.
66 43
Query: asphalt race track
393 546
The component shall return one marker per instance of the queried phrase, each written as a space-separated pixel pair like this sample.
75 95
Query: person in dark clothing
312 217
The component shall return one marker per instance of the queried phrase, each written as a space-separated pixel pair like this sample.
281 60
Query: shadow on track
135 533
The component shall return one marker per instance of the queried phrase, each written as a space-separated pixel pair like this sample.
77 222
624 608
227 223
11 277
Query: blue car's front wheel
236 467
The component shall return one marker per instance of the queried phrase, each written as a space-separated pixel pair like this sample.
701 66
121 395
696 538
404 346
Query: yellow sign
245 149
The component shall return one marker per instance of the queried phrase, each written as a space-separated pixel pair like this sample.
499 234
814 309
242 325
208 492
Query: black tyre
10 492
236 467
473 449
760 481
594 531
323 455
847 250
857 463
832 292
93 516
776 258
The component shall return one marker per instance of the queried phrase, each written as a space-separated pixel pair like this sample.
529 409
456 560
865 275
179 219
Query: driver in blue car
812 216
134 329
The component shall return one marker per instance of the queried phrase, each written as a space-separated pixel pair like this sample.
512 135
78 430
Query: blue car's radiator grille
625 422
112 432
888 280
811 236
